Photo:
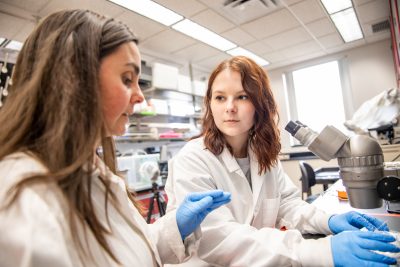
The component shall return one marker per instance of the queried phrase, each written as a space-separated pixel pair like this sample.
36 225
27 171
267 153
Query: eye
127 80
219 97
243 97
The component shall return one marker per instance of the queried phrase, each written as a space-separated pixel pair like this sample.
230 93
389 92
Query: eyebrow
134 66
223 92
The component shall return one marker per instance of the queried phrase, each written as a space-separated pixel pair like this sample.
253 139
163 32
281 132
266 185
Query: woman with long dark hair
74 86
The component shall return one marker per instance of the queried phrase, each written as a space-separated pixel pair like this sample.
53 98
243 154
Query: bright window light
333 6
238 51
15 45
320 82
151 10
347 24
200 33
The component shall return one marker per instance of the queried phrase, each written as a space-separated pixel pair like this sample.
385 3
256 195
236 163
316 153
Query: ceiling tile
377 37
140 25
168 41
321 27
288 38
274 57
212 21
28 5
361 2
346 46
331 40
10 25
272 24
212 62
373 11
291 2
24 32
238 36
309 10
196 52
103 7
186 8
301 49
258 48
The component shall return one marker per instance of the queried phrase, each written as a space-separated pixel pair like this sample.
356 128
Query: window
315 96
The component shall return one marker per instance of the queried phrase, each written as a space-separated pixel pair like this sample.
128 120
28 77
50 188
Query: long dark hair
264 136
54 109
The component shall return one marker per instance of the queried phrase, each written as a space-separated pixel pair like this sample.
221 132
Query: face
232 110
119 84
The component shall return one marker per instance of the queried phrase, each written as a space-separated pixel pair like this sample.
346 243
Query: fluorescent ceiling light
151 10
200 33
14 45
347 24
333 6
238 51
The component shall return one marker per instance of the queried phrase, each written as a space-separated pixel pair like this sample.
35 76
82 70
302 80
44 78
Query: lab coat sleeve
30 234
170 246
228 242
294 213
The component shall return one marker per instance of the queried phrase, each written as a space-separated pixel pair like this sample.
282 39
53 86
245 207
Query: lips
231 120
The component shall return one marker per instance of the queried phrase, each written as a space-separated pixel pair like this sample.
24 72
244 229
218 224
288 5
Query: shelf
138 115
147 139
151 90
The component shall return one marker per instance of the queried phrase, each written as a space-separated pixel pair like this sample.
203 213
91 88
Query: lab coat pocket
269 211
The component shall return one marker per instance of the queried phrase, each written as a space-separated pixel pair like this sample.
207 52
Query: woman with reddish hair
237 151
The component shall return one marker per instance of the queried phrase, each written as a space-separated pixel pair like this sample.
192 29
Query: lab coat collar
232 166
256 179
229 161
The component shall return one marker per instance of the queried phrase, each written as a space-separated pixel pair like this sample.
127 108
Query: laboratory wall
369 69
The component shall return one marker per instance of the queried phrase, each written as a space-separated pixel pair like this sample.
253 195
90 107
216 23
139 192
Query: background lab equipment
139 170
360 160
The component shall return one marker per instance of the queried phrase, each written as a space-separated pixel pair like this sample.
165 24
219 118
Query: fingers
223 197
375 257
218 204
199 195
356 219
376 236
203 204
360 220
379 224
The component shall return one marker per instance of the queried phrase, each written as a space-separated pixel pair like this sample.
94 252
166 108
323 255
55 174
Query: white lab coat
245 232
35 231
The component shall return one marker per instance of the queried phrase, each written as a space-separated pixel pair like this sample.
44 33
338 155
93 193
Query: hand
195 208
354 248
352 220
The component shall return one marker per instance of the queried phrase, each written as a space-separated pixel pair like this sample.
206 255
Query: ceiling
293 31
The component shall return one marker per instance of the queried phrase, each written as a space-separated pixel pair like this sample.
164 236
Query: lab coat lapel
256 180
230 162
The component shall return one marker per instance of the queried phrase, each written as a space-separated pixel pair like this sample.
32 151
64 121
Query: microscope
361 164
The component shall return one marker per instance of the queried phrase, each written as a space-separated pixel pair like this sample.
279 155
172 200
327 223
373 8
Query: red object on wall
395 33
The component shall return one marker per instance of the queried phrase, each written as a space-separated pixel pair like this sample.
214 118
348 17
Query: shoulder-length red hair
264 136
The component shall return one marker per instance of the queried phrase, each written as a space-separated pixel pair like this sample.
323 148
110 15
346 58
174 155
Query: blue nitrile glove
195 208
352 220
354 248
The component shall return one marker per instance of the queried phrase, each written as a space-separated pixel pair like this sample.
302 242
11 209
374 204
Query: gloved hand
352 220
195 208
354 248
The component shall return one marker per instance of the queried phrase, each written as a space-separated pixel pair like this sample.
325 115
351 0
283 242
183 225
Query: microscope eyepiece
292 127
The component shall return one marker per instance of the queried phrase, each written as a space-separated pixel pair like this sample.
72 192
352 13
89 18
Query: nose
230 106
137 96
